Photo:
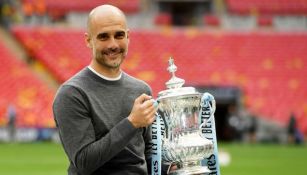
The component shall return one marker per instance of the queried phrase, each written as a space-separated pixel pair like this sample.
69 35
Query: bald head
107 13
108 37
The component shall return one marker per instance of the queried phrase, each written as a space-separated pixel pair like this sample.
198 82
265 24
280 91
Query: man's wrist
132 123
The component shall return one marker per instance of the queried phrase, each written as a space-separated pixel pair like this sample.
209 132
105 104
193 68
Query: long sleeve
74 120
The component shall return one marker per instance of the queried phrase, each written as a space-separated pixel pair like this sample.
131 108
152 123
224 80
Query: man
11 124
103 114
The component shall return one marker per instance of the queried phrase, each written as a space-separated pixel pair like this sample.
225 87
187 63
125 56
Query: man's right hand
143 111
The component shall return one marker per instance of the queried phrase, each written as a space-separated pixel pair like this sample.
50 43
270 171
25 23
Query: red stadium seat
60 7
267 7
264 20
163 19
55 48
211 20
21 87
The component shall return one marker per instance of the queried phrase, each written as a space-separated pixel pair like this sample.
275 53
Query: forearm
96 154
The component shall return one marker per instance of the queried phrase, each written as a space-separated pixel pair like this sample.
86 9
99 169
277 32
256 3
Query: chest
108 107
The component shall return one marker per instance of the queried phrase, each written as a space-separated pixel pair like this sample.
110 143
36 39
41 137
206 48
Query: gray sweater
91 116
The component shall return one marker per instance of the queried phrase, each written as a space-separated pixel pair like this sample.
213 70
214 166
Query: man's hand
143 111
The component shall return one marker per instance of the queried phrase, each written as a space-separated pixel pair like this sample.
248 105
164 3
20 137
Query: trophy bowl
182 140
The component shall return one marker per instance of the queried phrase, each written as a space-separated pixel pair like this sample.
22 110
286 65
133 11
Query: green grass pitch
260 159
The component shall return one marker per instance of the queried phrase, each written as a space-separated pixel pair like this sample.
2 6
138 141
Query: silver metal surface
182 140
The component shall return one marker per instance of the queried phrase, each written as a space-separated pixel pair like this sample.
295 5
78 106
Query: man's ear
87 39
128 35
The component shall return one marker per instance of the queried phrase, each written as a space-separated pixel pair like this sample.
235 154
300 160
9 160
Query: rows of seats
60 6
62 51
21 88
269 68
267 7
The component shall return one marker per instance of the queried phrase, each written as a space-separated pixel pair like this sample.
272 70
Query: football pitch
261 159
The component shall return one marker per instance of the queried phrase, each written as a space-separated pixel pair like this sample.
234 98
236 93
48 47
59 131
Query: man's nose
113 43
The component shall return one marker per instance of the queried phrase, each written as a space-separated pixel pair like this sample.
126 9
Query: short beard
105 64
100 58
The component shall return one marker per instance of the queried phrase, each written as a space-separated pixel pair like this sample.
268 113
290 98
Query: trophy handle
213 107
205 101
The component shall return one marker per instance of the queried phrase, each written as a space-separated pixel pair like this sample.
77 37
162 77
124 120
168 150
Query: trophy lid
175 84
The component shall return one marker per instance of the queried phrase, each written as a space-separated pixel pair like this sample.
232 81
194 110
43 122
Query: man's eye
120 35
102 36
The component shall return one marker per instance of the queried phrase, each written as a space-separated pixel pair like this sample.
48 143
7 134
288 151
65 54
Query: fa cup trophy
184 130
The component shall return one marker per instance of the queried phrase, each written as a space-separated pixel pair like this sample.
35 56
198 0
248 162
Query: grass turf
265 159
49 159
32 159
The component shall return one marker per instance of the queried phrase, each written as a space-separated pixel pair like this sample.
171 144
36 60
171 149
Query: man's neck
109 73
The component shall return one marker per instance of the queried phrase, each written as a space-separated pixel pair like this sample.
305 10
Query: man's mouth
112 54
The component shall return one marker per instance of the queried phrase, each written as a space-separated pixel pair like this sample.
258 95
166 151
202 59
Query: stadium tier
269 67
60 7
163 19
21 87
282 7
62 51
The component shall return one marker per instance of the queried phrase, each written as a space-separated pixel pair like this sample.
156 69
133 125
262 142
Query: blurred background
250 54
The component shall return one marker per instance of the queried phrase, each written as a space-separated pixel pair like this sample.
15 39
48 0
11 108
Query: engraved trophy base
193 170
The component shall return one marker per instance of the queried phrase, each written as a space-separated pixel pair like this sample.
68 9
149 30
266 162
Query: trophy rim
178 92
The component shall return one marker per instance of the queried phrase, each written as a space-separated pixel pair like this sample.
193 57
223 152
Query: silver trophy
182 139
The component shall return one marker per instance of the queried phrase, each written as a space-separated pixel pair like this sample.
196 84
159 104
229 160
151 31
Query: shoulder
135 82
73 86
78 79
134 79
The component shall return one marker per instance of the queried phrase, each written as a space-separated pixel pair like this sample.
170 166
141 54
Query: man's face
108 39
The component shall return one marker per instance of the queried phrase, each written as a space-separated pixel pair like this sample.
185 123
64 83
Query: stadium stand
269 67
211 20
265 20
163 19
62 7
283 7
258 46
60 50
22 88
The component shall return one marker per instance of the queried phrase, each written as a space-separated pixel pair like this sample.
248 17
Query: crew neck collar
104 77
